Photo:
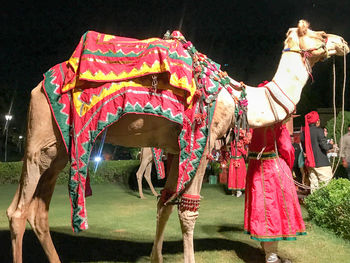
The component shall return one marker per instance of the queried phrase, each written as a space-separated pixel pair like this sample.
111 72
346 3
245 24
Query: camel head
314 45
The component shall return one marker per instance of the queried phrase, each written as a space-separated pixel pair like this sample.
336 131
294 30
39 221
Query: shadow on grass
87 249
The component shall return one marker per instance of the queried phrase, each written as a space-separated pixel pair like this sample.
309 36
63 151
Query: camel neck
291 75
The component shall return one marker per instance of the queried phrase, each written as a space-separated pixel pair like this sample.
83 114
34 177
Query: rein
342 111
307 53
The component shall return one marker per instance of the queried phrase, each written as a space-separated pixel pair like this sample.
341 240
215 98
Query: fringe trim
189 203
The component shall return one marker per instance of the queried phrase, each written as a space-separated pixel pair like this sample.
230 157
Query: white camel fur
45 154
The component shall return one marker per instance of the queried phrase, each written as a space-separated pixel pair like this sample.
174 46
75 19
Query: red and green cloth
95 88
158 162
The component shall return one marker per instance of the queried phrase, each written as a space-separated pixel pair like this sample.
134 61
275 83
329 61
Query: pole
6 135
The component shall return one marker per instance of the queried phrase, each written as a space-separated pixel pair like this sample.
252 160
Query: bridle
307 53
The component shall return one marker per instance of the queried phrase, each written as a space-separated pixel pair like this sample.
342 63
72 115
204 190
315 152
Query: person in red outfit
237 170
272 210
316 147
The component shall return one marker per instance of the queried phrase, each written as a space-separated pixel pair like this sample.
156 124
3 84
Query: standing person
315 146
333 152
297 151
272 210
237 170
345 151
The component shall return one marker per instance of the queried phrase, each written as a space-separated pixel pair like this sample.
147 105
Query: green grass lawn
122 227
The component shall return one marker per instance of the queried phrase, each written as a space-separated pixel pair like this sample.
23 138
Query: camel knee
17 221
188 212
188 220
139 177
12 208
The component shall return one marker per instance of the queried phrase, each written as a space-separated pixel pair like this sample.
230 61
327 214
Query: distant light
225 65
8 117
20 137
98 159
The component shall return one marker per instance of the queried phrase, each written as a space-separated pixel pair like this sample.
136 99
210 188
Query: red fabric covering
262 84
88 189
223 175
272 210
158 162
88 93
311 117
237 173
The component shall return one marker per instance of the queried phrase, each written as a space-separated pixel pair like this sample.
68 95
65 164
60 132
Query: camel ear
303 26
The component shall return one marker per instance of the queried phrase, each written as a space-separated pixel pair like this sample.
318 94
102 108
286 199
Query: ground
122 226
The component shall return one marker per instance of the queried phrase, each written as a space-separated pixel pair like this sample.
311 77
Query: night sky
245 37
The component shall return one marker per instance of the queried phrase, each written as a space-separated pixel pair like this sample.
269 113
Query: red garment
237 173
272 210
311 117
223 175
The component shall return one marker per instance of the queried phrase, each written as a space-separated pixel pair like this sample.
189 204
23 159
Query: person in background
297 151
237 170
333 152
345 151
315 147
272 211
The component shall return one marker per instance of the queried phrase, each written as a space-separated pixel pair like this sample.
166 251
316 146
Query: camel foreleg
188 214
163 214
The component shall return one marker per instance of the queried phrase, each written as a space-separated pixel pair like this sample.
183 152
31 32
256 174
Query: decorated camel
146 160
46 148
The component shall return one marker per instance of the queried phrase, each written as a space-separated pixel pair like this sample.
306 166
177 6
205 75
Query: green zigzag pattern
57 107
111 118
120 53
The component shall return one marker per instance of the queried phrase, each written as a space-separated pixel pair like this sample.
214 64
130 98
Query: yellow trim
82 108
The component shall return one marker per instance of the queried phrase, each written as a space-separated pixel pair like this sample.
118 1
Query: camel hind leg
147 176
145 168
139 175
36 187
43 139
39 207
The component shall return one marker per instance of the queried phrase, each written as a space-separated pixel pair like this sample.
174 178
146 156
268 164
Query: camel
45 154
146 159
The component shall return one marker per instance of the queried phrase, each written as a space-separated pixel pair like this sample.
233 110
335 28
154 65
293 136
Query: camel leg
164 212
145 162
39 207
17 228
20 208
188 211
41 150
147 176
139 175
187 221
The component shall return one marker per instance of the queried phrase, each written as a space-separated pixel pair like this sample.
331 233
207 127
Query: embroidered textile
158 162
95 88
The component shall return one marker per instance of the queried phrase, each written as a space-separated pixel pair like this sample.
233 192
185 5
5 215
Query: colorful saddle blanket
158 162
96 87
